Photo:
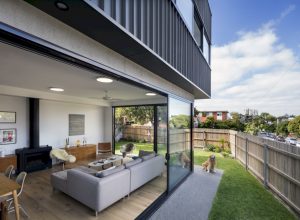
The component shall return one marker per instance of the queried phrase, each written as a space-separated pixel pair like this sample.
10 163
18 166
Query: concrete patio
193 199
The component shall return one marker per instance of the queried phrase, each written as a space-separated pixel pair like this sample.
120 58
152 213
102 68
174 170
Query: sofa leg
96 213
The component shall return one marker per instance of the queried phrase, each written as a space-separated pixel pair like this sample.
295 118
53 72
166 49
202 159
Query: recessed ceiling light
55 89
61 5
151 94
104 80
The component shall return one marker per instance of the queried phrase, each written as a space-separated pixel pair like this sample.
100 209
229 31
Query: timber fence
275 164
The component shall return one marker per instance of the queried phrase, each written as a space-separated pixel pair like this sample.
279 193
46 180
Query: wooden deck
41 203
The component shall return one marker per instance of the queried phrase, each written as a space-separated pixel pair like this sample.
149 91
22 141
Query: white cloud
256 71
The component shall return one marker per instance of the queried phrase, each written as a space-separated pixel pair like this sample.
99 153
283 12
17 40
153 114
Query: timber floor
41 203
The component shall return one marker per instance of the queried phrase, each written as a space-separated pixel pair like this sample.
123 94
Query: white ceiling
25 73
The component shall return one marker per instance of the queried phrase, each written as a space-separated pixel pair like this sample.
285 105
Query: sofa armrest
83 187
98 193
147 170
114 187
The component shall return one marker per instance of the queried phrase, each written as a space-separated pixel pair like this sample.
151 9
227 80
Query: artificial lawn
240 195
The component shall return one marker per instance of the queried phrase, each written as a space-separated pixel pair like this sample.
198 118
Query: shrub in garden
218 149
211 147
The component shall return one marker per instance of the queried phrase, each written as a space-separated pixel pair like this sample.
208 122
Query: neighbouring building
218 115
285 117
66 65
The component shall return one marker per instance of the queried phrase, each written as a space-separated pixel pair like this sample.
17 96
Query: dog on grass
209 165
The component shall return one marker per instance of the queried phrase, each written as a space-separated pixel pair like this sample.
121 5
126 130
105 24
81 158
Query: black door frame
155 122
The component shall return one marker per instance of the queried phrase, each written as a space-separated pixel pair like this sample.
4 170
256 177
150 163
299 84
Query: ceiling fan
108 98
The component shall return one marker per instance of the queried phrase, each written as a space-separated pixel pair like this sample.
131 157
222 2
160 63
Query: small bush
225 154
227 150
211 147
218 149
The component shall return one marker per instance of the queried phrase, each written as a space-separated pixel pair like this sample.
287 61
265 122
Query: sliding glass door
179 151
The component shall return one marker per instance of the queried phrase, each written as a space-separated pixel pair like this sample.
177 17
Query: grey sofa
99 193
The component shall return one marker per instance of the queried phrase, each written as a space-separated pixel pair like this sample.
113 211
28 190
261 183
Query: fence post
246 161
266 165
204 138
235 143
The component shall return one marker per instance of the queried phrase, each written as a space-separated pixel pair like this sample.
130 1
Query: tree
209 122
138 114
294 126
252 128
196 112
282 128
180 121
263 122
236 122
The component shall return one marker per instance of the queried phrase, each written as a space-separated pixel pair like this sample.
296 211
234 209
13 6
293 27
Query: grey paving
193 199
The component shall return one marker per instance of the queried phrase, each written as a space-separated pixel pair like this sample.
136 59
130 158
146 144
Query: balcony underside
94 23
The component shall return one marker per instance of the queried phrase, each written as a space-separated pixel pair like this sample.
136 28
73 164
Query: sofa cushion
86 170
108 172
133 162
149 156
144 153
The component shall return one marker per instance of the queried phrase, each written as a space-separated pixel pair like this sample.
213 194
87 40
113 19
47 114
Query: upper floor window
186 9
206 49
198 29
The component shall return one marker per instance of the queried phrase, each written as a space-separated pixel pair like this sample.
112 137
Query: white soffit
24 73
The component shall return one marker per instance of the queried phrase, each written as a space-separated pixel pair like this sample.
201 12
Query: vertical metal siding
160 27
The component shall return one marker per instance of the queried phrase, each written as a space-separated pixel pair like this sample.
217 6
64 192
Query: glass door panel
179 151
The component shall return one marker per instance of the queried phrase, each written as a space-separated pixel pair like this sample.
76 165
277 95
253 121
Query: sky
255 56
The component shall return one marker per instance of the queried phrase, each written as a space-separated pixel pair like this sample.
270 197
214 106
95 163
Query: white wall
54 123
20 106
108 124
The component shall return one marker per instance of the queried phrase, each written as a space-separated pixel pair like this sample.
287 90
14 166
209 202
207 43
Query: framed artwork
7 117
76 124
8 136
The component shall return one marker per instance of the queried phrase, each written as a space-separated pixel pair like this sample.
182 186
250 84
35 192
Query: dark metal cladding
149 32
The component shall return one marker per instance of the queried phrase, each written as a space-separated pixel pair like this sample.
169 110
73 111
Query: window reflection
186 8
179 140
206 50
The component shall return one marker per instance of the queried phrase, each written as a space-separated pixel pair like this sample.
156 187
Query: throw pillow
109 171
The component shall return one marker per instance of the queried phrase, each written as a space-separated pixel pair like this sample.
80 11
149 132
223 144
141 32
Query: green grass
139 146
240 195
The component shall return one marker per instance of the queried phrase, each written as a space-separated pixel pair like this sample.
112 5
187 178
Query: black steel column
155 128
34 123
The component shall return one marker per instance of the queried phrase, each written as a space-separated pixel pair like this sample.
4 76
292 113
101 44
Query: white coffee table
111 160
